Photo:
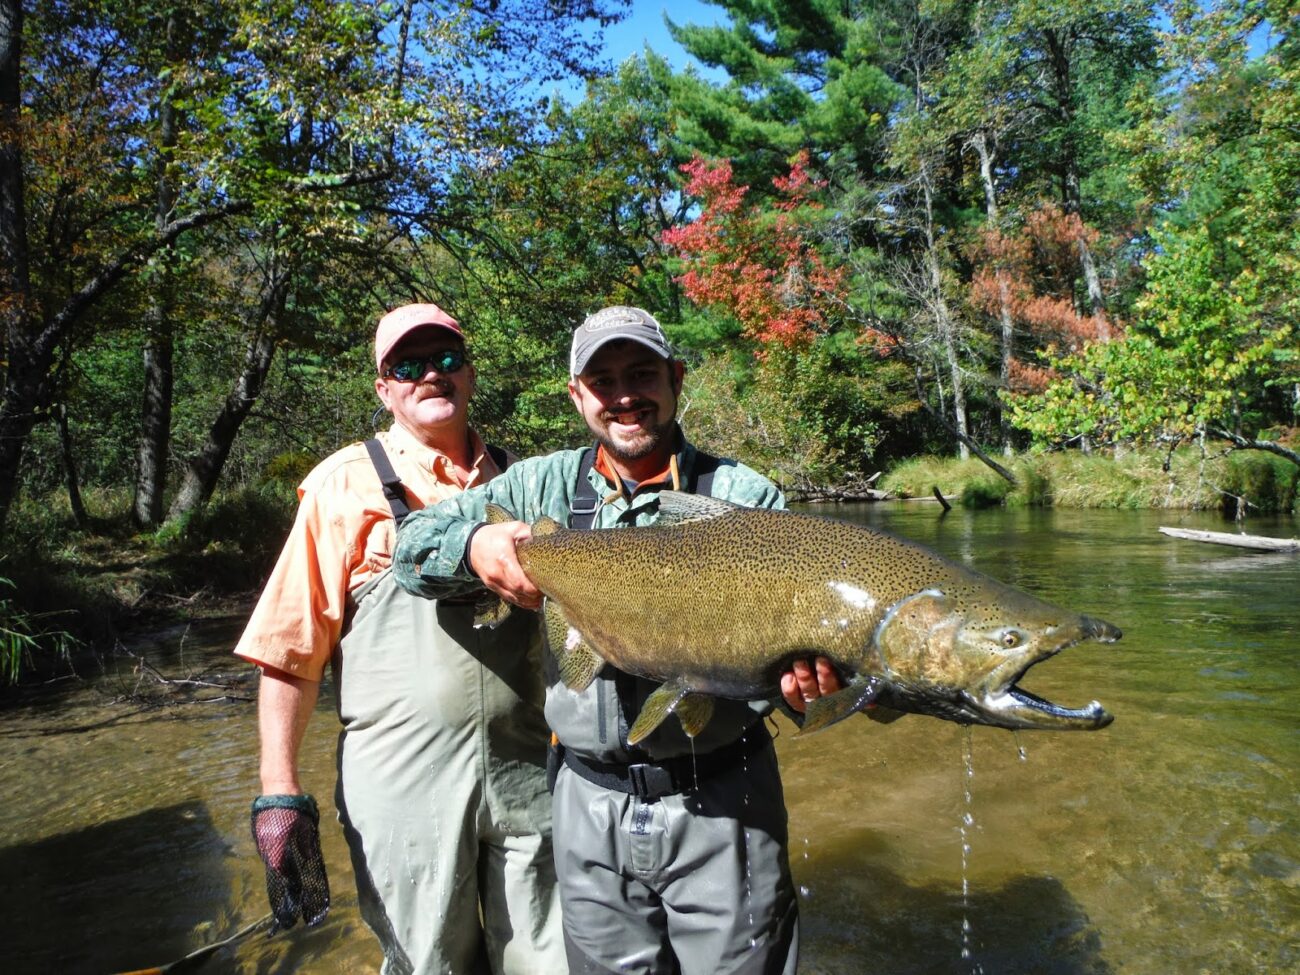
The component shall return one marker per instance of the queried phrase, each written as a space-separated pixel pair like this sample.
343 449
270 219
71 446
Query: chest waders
441 787
674 866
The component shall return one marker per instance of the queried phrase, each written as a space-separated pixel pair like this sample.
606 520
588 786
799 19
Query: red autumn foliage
1027 378
1034 272
758 267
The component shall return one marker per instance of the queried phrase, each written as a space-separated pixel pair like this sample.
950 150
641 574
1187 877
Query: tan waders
442 787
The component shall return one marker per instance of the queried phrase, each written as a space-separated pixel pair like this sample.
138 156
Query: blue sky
644 25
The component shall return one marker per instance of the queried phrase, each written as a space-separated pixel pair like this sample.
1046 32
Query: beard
641 445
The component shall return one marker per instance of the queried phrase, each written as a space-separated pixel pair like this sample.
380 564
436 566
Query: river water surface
1166 844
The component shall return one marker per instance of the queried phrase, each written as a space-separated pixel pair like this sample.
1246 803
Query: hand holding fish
492 557
804 682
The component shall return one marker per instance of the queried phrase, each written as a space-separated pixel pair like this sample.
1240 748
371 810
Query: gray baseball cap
613 323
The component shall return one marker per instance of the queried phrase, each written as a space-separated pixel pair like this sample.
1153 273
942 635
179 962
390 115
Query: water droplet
804 891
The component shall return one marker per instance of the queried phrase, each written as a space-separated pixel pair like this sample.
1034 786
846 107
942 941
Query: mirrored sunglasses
413 369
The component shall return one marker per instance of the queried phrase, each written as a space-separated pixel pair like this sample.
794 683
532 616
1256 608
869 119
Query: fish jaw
943 660
1013 707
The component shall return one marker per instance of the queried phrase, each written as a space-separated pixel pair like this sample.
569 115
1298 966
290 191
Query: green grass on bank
1133 479
70 592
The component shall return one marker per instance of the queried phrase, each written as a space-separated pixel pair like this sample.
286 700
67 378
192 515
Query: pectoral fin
490 610
692 710
576 662
882 714
825 711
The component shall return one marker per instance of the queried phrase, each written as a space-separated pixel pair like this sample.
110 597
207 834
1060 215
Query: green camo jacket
429 561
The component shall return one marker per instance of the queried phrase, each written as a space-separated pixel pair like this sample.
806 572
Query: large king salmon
716 600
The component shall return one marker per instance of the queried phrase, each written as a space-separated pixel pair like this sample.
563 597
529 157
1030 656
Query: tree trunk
1008 331
70 479
1091 280
204 469
155 420
943 318
24 367
1059 48
156 402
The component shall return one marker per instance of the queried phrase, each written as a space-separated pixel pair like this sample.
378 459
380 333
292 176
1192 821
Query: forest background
1043 234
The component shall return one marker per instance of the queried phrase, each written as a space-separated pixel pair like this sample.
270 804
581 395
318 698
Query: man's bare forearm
284 706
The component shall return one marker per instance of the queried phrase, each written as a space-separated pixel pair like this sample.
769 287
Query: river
1166 843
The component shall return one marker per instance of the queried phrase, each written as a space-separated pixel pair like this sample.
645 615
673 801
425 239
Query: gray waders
669 866
442 786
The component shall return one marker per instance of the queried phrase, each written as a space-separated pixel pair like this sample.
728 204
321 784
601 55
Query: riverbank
75 593
1241 483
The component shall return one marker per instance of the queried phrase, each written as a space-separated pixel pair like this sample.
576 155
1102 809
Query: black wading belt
650 780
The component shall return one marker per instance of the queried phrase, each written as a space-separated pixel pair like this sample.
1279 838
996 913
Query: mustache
634 407
438 385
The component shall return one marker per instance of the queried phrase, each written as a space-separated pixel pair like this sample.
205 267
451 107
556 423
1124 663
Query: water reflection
105 874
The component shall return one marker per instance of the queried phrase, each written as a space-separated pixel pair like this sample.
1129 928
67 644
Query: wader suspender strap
394 491
644 779
585 503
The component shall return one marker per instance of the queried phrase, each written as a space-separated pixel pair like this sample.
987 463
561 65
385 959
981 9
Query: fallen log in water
1261 543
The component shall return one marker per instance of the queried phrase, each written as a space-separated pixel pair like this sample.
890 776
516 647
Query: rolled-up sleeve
300 614
430 556
429 559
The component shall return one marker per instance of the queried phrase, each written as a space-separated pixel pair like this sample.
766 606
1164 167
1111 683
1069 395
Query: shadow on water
879 922
144 891
149 881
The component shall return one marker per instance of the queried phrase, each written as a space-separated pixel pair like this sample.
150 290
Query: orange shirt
342 537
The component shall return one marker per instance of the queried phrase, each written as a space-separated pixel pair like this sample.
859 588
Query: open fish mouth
1093 715
1021 709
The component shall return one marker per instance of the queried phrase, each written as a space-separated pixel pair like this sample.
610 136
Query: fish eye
1010 639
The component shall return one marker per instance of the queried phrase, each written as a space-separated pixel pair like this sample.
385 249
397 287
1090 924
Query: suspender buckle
582 508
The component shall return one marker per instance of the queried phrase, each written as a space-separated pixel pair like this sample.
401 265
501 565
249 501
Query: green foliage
1267 483
24 635
1216 340
364 181
986 491
233 542
814 419
800 76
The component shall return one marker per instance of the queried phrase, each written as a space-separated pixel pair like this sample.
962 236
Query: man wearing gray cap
441 772
671 854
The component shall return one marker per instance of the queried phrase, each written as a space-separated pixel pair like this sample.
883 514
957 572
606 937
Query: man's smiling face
436 401
627 395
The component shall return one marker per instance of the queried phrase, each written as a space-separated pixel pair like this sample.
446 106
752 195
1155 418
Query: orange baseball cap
401 322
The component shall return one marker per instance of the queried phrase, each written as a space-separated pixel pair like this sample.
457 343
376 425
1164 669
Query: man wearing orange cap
442 787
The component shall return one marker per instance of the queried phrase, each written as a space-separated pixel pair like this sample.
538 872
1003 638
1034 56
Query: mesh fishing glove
286 830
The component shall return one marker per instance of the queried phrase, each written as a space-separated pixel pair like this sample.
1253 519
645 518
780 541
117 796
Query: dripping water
965 830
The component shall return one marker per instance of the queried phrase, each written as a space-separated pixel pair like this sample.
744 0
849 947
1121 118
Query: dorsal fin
546 525
677 507
494 514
